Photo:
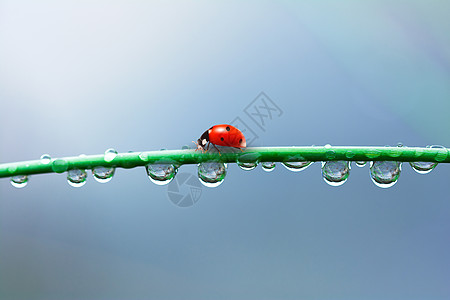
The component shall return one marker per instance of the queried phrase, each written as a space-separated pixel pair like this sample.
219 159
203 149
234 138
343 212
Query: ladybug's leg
216 149
207 147
239 149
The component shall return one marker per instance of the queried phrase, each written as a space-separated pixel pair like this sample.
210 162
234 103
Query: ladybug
222 135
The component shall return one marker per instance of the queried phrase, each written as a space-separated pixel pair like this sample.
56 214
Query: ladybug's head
201 144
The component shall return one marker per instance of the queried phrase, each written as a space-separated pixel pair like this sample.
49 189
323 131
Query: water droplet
247 166
399 144
335 173
268 166
161 174
373 153
12 169
76 177
385 173
328 146
442 153
211 174
296 166
361 163
185 147
143 156
110 154
19 181
60 165
423 167
350 154
394 151
45 159
103 174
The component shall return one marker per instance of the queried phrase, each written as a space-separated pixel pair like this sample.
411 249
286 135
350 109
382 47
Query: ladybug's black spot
221 138
228 128
240 141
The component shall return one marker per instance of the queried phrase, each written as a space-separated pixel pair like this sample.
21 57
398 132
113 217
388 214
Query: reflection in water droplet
103 174
296 166
76 177
268 166
211 174
19 181
423 167
247 166
361 163
110 154
335 173
60 165
45 159
385 173
161 174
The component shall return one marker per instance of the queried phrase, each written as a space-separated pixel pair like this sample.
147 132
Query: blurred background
78 77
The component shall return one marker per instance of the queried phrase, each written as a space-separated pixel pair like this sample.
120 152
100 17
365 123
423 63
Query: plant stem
261 154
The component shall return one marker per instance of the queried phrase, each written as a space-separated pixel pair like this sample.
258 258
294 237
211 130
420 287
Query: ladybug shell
226 135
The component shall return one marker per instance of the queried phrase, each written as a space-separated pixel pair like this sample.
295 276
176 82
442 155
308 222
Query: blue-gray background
82 76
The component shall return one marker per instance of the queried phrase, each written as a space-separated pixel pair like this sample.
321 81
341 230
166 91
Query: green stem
269 154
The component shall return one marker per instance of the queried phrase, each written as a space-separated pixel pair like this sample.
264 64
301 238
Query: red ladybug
222 135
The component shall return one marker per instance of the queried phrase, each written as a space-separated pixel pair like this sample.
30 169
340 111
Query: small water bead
211 174
143 156
161 174
103 174
185 147
423 167
60 165
385 173
76 177
19 181
268 166
335 173
373 153
110 154
360 163
442 152
350 154
45 159
296 166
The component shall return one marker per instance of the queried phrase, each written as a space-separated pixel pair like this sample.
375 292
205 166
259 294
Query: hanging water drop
360 163
161 174
19 181
103 174
385 173
296 166
110 154
76 177
45 159
423 167
268 166
247 166
335 173
211 174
